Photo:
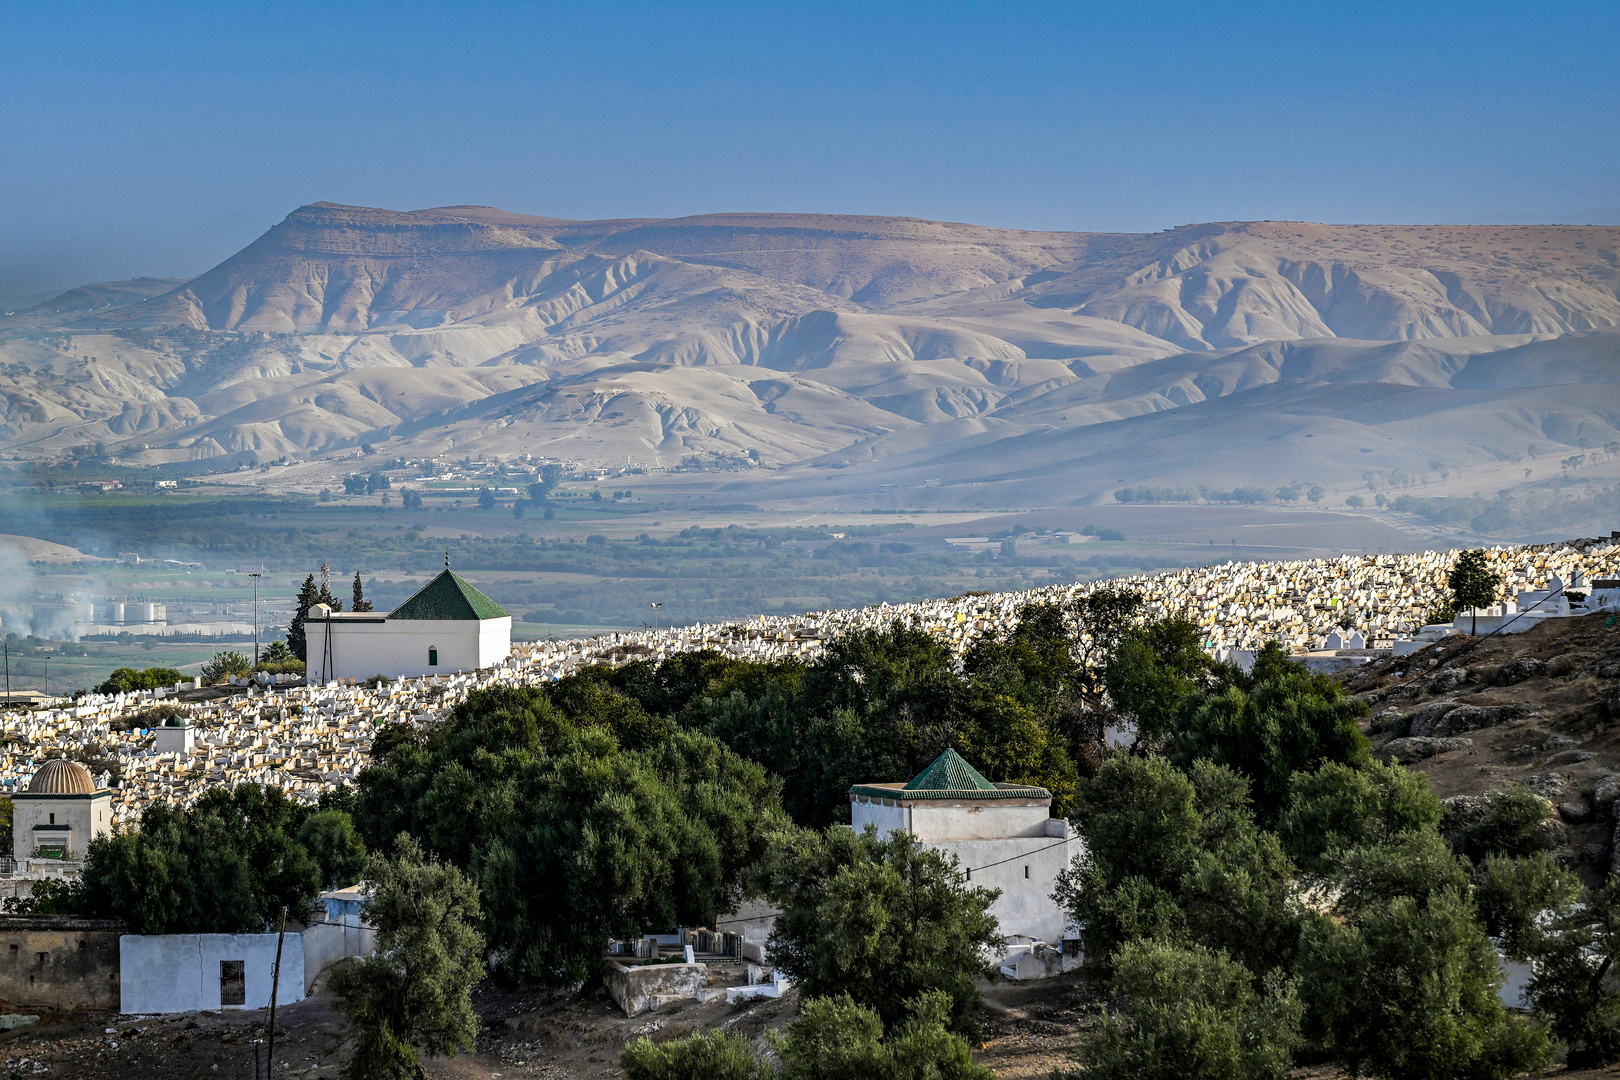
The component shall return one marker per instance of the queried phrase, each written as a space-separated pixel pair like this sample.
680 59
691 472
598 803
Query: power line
1026 855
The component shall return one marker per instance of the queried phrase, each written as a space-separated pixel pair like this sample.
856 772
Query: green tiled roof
949 777
950 773
448 597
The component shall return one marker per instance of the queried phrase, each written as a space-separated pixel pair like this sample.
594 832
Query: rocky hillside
1539 708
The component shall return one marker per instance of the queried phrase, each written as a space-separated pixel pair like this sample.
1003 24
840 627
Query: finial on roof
447 560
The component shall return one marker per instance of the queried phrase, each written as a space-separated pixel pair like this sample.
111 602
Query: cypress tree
308 597
360 601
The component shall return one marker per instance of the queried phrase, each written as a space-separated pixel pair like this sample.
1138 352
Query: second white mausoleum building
447 626
1003 836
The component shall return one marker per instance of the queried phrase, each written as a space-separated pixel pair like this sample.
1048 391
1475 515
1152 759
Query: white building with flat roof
1003 836
446 627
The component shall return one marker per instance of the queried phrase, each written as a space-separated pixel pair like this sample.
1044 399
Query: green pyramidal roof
949 773
449 597
949 778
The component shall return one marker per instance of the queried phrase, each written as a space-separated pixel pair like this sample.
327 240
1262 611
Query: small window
1026 871
433 656
53 819
233 982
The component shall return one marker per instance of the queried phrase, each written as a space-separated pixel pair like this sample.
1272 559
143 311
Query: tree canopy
414 993
572 836
882 919
225 865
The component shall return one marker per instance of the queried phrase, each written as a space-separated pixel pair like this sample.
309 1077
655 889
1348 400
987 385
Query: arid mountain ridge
1042 365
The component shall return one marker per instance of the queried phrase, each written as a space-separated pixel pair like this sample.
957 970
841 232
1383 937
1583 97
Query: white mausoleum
447 626
174 736
1003 836
60 813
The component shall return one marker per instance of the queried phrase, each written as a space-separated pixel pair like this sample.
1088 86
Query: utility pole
8 673
655 608
255 578
275 984
47 676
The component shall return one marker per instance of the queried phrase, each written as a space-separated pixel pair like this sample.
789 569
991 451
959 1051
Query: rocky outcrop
1413 749
1445 680
1443 719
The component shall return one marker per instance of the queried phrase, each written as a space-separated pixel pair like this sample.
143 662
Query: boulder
1424 719
1571 663
1445 680
1576 813
1517 671
1548 785
1460 813
1605 791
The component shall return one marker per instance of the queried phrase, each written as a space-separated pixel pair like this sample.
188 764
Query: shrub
414 994
1573 988
834 1038
1190 1012
714 1055
224 666
125 680
1428 965
1340 807
883 920
1514 822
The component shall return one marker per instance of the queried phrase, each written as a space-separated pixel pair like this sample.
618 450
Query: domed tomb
1003 836
61 811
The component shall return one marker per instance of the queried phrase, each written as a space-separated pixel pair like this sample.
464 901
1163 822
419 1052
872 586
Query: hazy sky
158 138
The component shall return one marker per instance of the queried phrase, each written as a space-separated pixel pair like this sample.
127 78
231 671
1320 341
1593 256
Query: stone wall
53 965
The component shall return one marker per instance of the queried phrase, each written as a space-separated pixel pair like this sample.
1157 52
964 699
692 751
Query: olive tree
882 919
414 994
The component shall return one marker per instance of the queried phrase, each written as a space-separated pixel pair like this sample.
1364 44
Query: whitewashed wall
169 973
327 943
1025 906
998 843
395 648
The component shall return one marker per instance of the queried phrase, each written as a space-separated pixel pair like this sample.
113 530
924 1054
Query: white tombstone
1334 641
1356 641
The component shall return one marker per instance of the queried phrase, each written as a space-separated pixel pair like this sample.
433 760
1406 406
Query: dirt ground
1029 1030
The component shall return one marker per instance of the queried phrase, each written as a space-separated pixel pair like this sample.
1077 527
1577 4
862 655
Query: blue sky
159 138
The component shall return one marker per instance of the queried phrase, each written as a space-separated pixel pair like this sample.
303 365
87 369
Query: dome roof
62 777
175 720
